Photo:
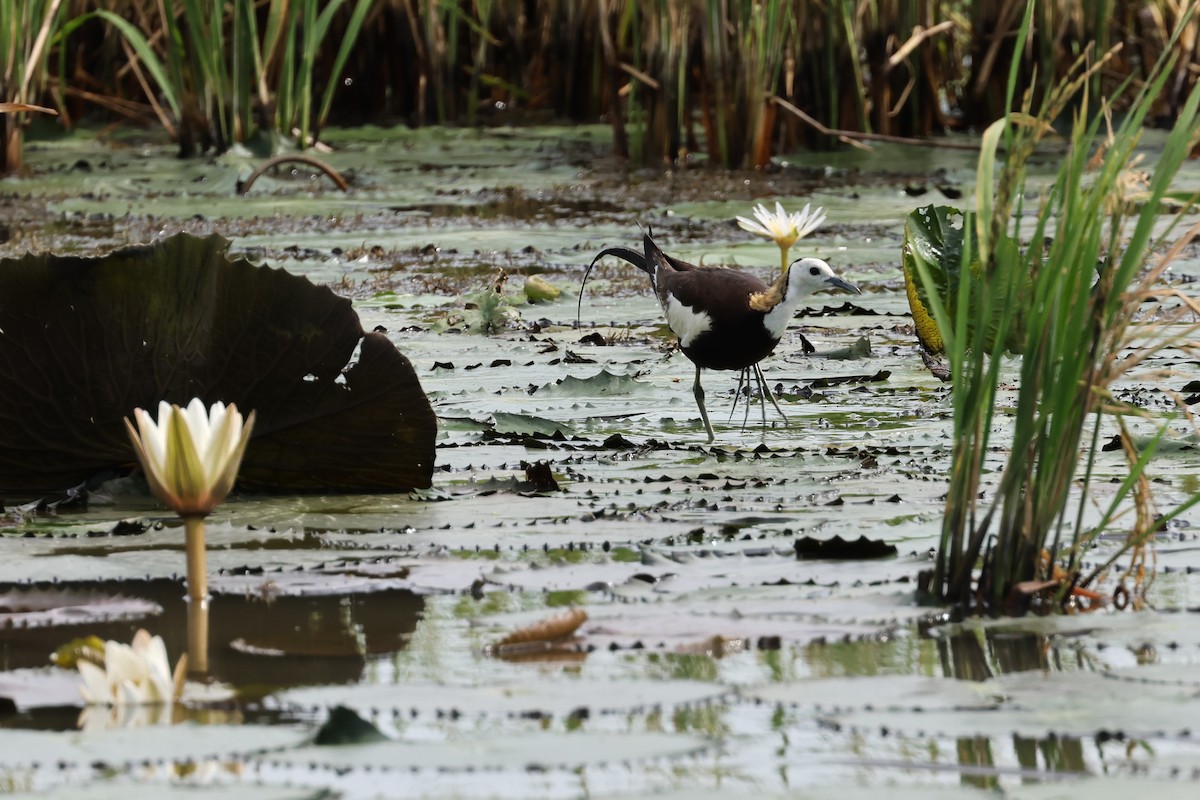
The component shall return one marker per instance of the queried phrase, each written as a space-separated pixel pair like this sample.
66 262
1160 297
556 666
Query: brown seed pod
544 635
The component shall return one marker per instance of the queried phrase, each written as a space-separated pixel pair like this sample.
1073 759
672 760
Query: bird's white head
809 275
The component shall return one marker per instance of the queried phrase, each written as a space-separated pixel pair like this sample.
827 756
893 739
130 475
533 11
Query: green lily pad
510 698
155 743
529 751
124 789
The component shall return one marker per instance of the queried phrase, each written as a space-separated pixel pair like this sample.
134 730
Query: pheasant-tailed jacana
725 319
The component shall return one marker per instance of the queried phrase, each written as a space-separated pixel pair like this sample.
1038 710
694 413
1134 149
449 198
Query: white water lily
133 674
784 228
191 458
191 455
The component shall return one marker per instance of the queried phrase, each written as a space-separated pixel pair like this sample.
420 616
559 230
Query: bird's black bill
840 283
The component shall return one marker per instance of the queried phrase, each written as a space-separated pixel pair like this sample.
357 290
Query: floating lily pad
34 608
130 790
909 693
85 341
1112 788
528 751
1063 703
345 727
48 686
511 698
737 614
840 549
157 743
823 791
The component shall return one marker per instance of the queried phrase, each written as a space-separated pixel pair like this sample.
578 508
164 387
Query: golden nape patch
765 301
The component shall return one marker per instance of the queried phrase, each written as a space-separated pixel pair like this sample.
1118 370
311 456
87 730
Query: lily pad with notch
86 340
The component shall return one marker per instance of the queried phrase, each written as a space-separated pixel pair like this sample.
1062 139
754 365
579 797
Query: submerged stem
197 594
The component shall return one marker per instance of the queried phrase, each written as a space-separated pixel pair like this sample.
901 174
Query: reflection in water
977 655
256 641
1036 758
959 653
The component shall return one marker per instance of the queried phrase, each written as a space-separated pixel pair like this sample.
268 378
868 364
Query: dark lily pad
84 341
839 548
346 727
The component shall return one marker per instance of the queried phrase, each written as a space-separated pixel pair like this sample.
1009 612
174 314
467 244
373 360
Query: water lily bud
191 455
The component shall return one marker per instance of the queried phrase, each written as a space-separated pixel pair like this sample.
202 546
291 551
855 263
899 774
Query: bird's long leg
763 394
743 380
745 376
743 383
698 390
765 391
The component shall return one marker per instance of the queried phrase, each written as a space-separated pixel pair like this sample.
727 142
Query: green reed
1076 309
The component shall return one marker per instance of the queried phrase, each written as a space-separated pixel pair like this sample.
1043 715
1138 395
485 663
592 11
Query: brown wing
665 270
723 294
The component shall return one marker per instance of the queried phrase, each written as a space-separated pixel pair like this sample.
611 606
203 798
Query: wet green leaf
937 237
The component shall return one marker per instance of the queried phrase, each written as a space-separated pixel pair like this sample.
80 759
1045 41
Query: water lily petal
239 437
200 430
129 693
753 227
151 466
154 434
225 426
185 474
122 664
806 221
95 689
153 653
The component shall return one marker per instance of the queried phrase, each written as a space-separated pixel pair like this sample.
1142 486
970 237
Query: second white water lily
133 674
191 455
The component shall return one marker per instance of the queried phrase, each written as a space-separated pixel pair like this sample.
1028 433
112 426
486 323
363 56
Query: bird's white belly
686 322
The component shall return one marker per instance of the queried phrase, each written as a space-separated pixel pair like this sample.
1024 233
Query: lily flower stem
197 597
783 260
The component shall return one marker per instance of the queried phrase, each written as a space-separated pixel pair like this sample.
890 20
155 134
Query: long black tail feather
639 260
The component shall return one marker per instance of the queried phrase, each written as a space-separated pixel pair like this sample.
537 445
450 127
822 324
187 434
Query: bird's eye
814 271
